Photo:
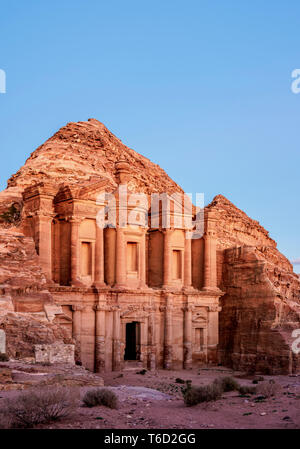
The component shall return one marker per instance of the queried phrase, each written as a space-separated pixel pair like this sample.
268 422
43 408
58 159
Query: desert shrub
207 393
227 383
245 389
3 357
40 406
191 396
100 396
268 388
178 380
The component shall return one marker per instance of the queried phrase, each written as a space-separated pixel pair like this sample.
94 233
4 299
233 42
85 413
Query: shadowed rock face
262 301
261 306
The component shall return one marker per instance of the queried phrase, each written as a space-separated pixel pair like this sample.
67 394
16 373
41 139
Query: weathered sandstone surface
25 330
26 306
82 151
261 305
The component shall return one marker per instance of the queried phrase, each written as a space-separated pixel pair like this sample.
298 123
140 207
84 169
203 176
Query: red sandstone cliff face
24 330
22 282
27 311
261 306
262 300
82 151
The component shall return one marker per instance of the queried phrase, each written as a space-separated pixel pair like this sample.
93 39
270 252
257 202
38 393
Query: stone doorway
132 347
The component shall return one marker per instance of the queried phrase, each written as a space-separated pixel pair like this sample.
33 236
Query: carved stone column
152 346
44 239
75 251
168 343
187 343
167 257
99 258
100 338
120 258
213 333
187 261
143 261
116 340
210 256
76 330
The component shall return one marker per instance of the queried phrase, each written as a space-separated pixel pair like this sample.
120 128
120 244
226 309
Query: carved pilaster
75 251
167 258
152 338
43 238
100 311
76 330
99 257
187 261
143 260
120 258
168 344
187 343
116 339
210 254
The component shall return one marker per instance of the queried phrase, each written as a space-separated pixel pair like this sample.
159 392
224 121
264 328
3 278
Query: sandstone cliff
261 305
262 294
22 282
27 310
81 151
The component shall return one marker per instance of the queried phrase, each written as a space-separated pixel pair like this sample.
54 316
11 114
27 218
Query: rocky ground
154 400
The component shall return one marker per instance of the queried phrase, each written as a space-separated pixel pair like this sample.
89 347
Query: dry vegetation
38 407
100 396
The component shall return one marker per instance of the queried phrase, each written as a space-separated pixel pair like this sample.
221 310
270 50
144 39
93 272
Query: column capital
43 214
214 308
77 308
75 219
188 308
169 301
101 308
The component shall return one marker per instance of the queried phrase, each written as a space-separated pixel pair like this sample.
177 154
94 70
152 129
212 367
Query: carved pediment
134 314
89 191
92 190
200 318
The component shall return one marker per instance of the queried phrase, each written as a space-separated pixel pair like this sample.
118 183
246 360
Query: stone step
131 365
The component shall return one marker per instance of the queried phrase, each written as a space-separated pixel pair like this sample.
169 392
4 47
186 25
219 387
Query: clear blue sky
202 88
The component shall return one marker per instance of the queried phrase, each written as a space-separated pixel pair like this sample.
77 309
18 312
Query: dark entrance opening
132 348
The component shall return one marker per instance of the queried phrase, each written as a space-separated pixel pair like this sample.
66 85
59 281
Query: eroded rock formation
261 301
261 307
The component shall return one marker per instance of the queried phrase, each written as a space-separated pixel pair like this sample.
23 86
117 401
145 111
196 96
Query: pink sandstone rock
261 293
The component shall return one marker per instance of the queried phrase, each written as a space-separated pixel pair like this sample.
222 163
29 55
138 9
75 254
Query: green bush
3 357
227 383
100 396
